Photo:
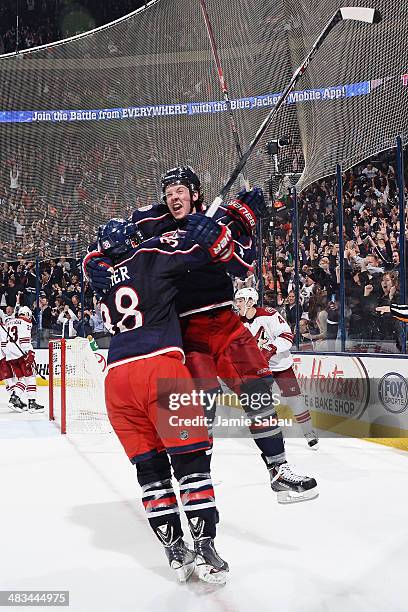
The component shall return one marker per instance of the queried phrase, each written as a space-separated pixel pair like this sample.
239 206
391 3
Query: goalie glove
98 270
29 358
212 237
246 208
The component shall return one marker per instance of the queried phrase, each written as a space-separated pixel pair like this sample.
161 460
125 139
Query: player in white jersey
275 340
6 372
20 356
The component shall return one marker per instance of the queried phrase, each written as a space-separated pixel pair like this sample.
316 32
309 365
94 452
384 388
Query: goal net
76 387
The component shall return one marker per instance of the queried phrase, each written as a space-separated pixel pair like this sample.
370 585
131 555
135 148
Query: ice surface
72 519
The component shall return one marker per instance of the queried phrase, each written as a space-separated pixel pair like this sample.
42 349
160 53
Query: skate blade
207 573
293 497
315 447
183 572
35 411
15 409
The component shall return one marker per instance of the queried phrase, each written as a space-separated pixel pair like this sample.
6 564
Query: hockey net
76 388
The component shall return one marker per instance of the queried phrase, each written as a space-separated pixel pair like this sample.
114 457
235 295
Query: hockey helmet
183 175
117 237
25 312
247 293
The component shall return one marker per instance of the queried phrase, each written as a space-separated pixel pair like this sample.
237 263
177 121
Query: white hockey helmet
24 311
247 293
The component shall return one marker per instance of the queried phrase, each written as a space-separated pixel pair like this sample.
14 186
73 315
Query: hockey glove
214 238
29 358
98 269
246 208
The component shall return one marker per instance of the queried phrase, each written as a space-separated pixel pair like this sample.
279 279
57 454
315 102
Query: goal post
76 387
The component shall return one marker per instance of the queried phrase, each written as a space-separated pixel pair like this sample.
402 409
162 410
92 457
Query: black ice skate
312 440
210 566
33 407
16 404
290 487
181 559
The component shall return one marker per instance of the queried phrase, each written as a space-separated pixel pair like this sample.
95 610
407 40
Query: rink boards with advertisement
361 396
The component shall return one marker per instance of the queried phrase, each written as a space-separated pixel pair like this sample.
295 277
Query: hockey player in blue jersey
145 369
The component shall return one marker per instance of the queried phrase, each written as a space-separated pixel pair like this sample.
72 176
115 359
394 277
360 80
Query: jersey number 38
126 303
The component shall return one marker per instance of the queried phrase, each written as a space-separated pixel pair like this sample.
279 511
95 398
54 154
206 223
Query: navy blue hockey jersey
139 309
210 286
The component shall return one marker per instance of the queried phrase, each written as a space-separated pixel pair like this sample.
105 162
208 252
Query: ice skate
211 568
312 440
289 487
16 403
33 407
181 559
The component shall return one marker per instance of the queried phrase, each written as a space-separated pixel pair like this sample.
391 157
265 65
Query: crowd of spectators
53 199
45 21
66 305
82 189
371 260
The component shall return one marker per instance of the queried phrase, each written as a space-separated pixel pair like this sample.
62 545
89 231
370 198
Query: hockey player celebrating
275 339
6 372
145 368
20 356
215 341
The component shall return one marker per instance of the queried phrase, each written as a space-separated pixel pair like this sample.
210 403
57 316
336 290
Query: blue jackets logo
393 392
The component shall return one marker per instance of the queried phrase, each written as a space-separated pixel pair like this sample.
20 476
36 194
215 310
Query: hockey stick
21 350
367 15
223 86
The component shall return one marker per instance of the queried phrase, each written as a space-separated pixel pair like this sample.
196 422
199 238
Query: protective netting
84 410
87 126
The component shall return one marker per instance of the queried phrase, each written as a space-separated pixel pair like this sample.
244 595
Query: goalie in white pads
21 357
275 340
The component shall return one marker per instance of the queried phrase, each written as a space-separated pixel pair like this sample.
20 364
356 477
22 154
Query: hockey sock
192 470
9 385
31 386
159 498
264 429
300 412
19 388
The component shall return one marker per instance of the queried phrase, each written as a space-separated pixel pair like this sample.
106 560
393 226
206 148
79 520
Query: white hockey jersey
19 329
272 332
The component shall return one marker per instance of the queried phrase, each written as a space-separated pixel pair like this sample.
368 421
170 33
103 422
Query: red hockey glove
246 208
29 358
272 349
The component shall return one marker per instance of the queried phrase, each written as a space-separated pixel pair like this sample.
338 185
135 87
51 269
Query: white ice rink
72 519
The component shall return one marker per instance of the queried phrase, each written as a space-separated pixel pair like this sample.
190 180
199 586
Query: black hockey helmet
183 175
